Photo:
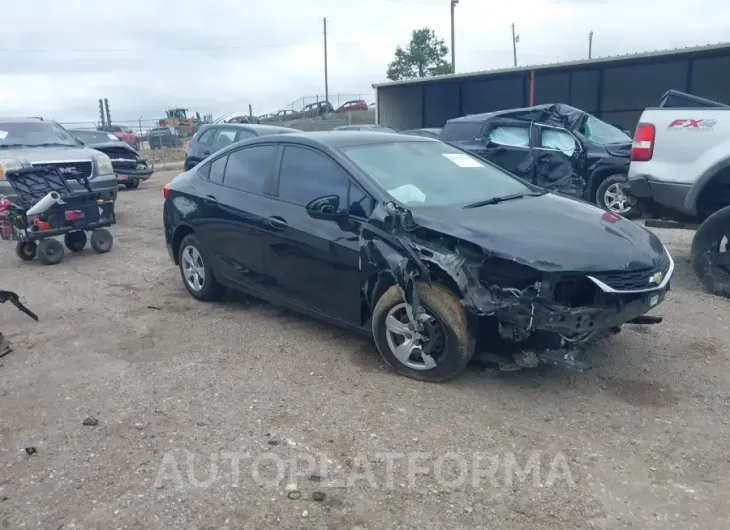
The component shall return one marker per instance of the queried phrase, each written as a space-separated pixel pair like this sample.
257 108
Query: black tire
707 240
135 184
451 317
632 213
75 241
210 290
101 240
26 250
50 251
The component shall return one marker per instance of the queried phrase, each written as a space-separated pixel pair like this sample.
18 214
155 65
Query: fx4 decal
703 124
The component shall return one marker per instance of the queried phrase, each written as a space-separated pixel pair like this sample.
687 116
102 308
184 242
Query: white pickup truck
680 170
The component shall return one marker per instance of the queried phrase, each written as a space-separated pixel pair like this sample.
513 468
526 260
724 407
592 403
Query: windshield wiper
51 144
497 200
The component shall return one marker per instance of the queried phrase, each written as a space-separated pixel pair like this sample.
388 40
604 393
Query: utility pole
515 40
326 80
453 38
590 45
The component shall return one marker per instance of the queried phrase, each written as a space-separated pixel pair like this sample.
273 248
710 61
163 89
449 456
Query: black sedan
214 137
436 253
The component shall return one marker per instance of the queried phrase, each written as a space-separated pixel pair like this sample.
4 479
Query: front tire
26 250
449 345
50 251
197 274
610 196
101 240
713 239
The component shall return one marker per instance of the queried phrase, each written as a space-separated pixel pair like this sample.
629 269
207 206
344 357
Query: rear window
460 131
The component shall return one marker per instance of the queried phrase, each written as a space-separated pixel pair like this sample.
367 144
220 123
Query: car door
560 162
316 261
509 145
203 147
238 232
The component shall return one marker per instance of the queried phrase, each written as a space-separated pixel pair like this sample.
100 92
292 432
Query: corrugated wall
617 93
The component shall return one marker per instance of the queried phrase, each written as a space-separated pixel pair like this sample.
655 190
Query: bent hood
35 155
549 233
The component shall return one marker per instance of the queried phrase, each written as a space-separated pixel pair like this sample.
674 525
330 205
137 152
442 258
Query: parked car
28 142
355 104
365 127
425 247
679 171
428 133
212 138
125 134
287 115
266 117
129 166
315 110
161 137
555 146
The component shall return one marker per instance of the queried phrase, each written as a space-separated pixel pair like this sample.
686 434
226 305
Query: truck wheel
436 354
50 251
75 241
610 196
711 253
26 250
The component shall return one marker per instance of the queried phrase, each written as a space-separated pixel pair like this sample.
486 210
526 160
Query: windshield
602 133
34 133
94 137
427 173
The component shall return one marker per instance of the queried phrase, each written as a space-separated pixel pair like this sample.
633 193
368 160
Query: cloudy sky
58 58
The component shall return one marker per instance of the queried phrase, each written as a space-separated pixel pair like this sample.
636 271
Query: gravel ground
166 155
180 388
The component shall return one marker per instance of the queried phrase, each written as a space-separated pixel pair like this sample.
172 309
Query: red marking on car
610 217
74 215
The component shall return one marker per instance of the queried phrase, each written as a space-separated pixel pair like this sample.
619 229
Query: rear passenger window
217 169
306 175
248 168
461 131
510 136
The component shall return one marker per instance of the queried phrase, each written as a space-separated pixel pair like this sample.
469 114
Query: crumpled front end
520 313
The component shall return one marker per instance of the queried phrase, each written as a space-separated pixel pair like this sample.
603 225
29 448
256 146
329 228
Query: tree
425 56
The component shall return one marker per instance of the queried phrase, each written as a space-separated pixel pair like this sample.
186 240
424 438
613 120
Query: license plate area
122 176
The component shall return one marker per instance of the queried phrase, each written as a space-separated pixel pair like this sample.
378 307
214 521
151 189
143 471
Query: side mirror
327 208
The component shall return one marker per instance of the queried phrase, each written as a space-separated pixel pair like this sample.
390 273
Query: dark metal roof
724 46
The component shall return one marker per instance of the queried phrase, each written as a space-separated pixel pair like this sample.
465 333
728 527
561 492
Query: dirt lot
164 156
185 393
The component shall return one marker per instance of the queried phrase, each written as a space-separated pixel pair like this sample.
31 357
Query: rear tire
608 197
197 274
50 251
26 250
101 240
448 315
708 239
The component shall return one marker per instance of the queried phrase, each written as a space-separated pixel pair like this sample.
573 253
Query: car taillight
610 217
165 191
642 147
4 205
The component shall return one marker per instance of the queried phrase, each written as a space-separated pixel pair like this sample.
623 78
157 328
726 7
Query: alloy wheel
418 349
193 268
616 200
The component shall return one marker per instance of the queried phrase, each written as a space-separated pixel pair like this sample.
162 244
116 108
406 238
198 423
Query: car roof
21 120
476 118
255 127
339 139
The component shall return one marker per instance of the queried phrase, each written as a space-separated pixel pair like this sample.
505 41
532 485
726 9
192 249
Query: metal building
615 89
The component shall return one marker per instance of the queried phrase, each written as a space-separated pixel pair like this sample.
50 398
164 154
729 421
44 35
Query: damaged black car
129 166
555 146
435 253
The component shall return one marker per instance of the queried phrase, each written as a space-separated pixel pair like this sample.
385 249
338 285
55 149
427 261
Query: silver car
28 142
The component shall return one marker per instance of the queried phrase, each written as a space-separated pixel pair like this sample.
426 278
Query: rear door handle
277 222
210 200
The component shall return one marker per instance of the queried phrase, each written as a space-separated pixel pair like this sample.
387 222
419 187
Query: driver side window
306 175
557 140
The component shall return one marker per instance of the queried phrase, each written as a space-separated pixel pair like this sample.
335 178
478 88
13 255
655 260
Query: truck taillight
642 147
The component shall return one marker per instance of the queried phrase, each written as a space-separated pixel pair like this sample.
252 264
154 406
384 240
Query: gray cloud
58 58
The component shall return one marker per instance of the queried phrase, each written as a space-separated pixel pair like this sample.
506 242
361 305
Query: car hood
34 155
118 145
550 233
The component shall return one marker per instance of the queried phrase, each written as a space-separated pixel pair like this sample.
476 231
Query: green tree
425 56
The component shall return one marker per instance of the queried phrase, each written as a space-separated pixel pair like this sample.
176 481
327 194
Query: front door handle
206 153
277 222
210 200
